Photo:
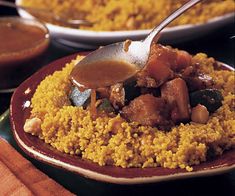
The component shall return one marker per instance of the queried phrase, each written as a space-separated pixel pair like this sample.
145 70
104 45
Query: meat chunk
198 82
164 54
144 80
183 60
176 94
159 71
159 64
163 62
194 79
147 110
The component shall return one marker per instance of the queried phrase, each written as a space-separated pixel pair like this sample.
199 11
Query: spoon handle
153 34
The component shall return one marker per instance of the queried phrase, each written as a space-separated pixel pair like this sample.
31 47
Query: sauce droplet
93 106
127 43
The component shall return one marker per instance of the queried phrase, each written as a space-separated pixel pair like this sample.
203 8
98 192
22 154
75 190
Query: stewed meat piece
162 64
144 80
147 110
198 82
176 94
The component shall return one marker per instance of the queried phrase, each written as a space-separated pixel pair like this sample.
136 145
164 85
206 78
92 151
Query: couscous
126 140
111 15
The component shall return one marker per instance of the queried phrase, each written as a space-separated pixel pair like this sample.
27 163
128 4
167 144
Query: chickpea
200 114
32 125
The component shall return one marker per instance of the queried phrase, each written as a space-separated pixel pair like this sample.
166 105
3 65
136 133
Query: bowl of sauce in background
22 43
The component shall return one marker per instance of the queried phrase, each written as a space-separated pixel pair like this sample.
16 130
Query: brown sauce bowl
23 42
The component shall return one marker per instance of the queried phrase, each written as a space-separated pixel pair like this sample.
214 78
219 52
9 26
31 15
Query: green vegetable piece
210 98
105 106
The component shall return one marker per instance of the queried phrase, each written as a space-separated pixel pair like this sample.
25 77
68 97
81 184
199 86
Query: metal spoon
134 52
44 14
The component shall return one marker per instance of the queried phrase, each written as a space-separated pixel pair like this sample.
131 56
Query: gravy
20 41
93 102
102 74
16 37
22 44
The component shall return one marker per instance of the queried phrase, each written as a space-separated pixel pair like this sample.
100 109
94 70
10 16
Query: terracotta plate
37 149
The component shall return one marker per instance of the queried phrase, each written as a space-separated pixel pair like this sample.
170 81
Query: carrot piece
159 70
183 60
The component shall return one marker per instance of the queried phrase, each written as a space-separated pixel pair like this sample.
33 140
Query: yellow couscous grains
72 130
111 15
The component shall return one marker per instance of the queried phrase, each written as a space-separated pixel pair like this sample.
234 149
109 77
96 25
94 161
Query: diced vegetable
106 106
176 94
183 60
210 98
159 63
79 98
165 54
200 114
159 71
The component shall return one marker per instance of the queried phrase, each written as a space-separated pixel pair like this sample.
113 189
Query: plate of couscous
115 21
174 120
